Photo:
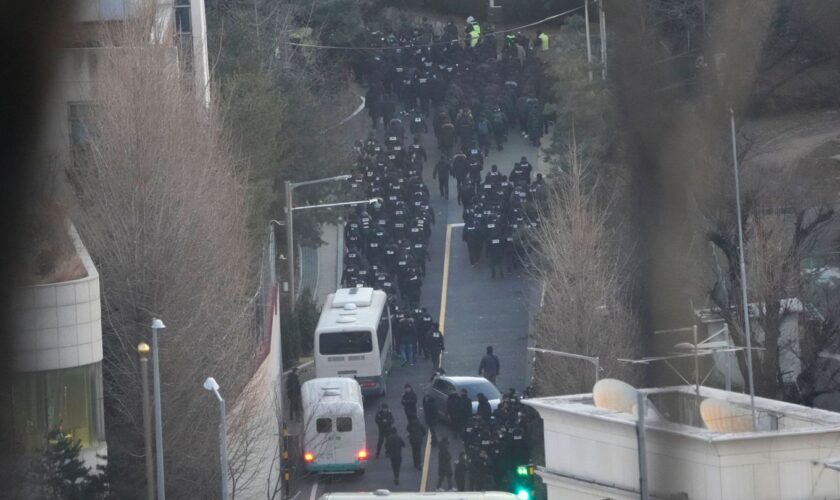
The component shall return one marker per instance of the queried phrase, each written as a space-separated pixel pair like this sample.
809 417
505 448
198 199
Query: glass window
344 424
383 330
69 401
442 386
323 425
183 23
345 343
488 389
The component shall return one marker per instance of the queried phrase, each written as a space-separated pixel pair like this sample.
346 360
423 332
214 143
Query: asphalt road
478 311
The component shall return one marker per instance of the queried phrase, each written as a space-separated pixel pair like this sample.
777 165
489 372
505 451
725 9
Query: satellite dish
615 395
722 416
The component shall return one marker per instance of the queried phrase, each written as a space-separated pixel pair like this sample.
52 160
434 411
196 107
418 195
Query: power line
430 44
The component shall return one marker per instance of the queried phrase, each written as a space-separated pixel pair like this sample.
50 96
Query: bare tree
782 226
586 277
164 216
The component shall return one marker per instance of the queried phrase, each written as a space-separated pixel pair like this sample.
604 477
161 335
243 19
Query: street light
290 186
143 350
595 360
158 325
211 385
743 266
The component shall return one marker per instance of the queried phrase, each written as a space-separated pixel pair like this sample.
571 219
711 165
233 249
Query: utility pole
743 267
161 488
143 350
588 37
290 245
640 434
602 17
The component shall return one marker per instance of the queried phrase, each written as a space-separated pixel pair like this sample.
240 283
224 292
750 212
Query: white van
353 338
443 495
334 439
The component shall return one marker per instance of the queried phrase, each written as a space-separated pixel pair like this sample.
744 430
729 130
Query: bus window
344 424
382 331
323 425
345 343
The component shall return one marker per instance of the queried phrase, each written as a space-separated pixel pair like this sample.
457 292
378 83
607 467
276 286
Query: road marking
427 455
314 492
297 494
445 283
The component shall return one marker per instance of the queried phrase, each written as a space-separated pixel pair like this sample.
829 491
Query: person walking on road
485 411
489 367
441 173
416 433
453 409
393 450
384 422
465 410
409 402
293 392
430 414
444 465
435 345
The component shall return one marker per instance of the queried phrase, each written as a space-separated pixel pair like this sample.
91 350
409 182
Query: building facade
592 453
57 382
58 349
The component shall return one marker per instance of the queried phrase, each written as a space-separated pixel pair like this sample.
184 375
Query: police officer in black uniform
441 172
384 421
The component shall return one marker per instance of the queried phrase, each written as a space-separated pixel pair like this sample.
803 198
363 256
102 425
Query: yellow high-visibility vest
543 41
474 34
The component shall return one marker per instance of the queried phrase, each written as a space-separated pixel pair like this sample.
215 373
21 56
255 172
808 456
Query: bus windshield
345 343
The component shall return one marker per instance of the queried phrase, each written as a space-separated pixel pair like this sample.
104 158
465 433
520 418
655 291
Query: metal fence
260 309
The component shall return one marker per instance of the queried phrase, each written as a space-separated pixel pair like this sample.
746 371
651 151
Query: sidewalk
329 263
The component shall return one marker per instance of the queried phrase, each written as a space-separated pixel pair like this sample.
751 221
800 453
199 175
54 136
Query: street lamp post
290 208
143 350
158 325
595 360
602 18
588 38
211 385
743 267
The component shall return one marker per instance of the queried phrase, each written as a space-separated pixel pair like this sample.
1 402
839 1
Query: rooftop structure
592 452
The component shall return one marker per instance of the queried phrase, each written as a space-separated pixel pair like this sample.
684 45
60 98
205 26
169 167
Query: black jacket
384 419
430 410
394 445
409 401
416 432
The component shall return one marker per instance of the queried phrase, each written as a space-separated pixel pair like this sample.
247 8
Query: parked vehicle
445 385
353 338
334 439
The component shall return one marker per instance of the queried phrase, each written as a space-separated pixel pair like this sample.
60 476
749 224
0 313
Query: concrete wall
59 325
593 454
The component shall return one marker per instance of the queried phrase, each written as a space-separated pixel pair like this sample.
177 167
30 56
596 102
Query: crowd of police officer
476 95
494 444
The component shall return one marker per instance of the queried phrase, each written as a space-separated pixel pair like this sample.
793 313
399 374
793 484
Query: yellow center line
441 321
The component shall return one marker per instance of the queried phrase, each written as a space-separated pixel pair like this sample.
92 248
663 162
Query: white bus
334 438
353 338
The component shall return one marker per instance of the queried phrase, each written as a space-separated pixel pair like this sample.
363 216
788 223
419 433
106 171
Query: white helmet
470 20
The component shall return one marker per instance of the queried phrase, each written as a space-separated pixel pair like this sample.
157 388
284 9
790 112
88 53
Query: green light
522 470
523 494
